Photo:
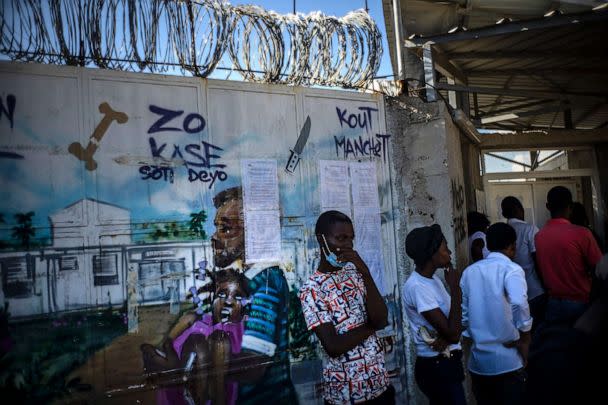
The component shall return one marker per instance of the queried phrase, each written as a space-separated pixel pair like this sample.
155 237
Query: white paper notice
364 184
261 207
260 184
262 236
368 242
334 185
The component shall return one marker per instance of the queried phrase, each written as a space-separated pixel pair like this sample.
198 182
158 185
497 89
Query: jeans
564 311
538 307
440 379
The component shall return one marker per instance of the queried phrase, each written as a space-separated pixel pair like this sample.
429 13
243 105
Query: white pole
398 39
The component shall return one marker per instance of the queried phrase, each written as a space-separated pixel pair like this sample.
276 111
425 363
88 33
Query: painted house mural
122 220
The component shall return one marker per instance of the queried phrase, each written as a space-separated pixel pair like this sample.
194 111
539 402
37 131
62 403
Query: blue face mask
330 256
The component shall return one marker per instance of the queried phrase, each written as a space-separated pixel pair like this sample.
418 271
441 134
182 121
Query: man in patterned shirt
342 305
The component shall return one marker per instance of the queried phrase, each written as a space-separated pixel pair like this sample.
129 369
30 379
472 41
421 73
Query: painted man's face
229 237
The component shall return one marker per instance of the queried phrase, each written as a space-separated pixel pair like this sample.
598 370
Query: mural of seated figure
226 356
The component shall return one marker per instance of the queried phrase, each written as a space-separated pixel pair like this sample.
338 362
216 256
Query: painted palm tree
197 222
24 230
169 231
173 229
158 233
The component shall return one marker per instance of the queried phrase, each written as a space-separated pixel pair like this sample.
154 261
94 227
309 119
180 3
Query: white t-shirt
421 294
523 255
479 235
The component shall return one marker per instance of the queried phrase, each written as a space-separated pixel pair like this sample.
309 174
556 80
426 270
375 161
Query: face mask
330 256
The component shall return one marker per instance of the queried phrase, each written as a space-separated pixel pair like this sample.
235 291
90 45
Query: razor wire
194 36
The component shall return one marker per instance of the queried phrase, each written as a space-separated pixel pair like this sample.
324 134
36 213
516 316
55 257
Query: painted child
201 347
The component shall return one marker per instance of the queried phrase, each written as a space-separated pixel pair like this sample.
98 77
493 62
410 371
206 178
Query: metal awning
544 73
541 73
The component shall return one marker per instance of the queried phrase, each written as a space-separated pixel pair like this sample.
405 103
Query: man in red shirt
567 255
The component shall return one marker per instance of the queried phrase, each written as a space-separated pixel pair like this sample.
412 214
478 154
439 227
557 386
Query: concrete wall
429 185
115 247
106 215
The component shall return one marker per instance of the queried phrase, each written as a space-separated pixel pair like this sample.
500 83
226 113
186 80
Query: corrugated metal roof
570 61
551 72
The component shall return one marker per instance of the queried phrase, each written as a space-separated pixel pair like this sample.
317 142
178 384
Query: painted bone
86 154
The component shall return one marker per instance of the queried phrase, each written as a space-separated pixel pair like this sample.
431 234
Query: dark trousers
440 379
564 311
386 398
538 307
506 389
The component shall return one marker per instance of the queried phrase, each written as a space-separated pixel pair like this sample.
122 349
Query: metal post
398 39
452 94
476 105
429 72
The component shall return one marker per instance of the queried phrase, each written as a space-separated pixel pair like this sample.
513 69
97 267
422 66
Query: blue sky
336 8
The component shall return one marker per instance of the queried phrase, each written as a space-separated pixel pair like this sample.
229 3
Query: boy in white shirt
496 317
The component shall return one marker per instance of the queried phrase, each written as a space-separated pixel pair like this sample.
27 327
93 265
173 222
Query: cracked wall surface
429 187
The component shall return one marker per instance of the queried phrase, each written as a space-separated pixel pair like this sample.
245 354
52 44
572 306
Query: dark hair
500 236
227 275
222 276
328 218
422 243
476 222
230 194
578 216
558 199
510 205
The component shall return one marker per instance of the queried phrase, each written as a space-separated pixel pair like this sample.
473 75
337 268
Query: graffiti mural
123 235
458 204
368 145
246 356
